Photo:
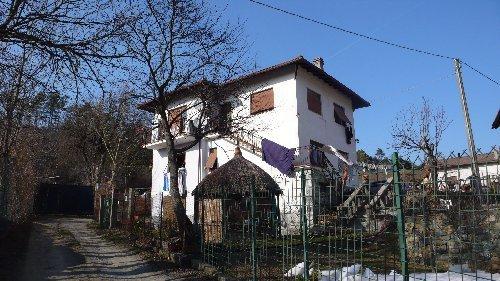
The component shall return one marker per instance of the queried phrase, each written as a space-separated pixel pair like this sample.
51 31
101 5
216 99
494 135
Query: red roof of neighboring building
485 158
357 101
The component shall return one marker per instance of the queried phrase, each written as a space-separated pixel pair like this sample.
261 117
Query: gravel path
67 249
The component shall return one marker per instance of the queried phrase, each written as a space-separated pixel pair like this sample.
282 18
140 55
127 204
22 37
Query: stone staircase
358 202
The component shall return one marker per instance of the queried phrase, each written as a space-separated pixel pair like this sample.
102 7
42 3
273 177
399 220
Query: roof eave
357 100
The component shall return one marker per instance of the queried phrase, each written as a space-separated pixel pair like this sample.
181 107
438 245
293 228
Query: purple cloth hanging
278 156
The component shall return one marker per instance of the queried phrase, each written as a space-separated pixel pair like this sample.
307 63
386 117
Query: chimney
319 62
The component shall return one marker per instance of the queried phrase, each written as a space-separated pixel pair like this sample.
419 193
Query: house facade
458 170
295 104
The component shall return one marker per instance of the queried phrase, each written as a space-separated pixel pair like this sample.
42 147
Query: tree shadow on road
34 252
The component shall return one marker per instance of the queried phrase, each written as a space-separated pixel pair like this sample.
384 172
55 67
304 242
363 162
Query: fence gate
104 212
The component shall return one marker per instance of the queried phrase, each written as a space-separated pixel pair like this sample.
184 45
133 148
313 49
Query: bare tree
79 40
119 124
420 130
48 46
22 96
184 51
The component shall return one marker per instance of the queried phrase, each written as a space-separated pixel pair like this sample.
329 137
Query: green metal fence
403 220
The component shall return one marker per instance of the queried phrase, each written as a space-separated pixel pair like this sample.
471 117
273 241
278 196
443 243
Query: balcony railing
248 140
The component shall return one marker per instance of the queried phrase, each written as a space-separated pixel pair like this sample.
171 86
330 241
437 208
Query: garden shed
233 196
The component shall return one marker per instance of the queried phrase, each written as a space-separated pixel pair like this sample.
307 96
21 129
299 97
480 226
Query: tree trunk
6 171
185 225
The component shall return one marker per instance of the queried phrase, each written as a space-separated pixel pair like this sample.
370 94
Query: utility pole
468 126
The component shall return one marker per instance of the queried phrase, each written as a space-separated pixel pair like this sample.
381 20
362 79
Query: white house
299 104
459 170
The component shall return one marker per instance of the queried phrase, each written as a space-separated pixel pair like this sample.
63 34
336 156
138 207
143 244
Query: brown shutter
212 158
314 101
176 119
262 101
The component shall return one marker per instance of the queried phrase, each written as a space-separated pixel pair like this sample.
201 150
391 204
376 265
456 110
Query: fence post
254 242
304 223
160 234
403 254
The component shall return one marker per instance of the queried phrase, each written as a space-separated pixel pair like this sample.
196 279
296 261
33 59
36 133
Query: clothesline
328 149
283 158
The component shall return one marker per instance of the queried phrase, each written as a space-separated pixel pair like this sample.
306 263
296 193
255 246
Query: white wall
322 128
279 125
159 167
289 124
492 170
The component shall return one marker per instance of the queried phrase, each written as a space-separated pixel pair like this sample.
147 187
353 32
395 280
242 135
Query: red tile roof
485 158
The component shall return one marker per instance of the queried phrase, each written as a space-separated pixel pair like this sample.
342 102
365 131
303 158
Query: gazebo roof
235 178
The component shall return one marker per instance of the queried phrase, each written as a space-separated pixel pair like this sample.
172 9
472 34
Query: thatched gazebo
223 198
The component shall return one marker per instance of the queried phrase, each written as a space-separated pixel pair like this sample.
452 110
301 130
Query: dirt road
67 249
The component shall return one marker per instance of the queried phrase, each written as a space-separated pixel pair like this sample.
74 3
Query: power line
351 32
482 74
374 30
370 37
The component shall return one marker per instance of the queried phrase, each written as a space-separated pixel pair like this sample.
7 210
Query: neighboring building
294 104
460 169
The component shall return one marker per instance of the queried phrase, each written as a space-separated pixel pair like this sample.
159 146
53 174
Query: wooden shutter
314 101
176 119
262 101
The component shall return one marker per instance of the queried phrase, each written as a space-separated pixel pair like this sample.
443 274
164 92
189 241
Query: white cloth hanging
332 150
182 180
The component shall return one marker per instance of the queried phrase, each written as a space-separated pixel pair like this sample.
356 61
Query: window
317 157
177 117
225 118
219 117
180 160
339 115
262 101
212 160
314 101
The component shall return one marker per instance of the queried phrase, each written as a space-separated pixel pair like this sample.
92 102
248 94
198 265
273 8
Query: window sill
261 111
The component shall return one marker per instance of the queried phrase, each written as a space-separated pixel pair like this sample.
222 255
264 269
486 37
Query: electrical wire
481 73
351 32
425 52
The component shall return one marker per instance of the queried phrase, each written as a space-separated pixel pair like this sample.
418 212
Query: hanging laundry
348 134
332 150
278 156
182 181
166 182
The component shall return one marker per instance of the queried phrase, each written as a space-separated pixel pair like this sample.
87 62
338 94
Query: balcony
184 129
156 138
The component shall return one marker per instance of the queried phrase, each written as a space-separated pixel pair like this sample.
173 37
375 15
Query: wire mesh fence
405 220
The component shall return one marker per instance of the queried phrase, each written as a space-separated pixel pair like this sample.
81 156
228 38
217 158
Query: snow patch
356 272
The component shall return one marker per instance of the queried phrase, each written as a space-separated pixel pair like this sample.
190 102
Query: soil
64 248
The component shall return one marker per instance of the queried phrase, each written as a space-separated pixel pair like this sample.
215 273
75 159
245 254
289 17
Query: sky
391 79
